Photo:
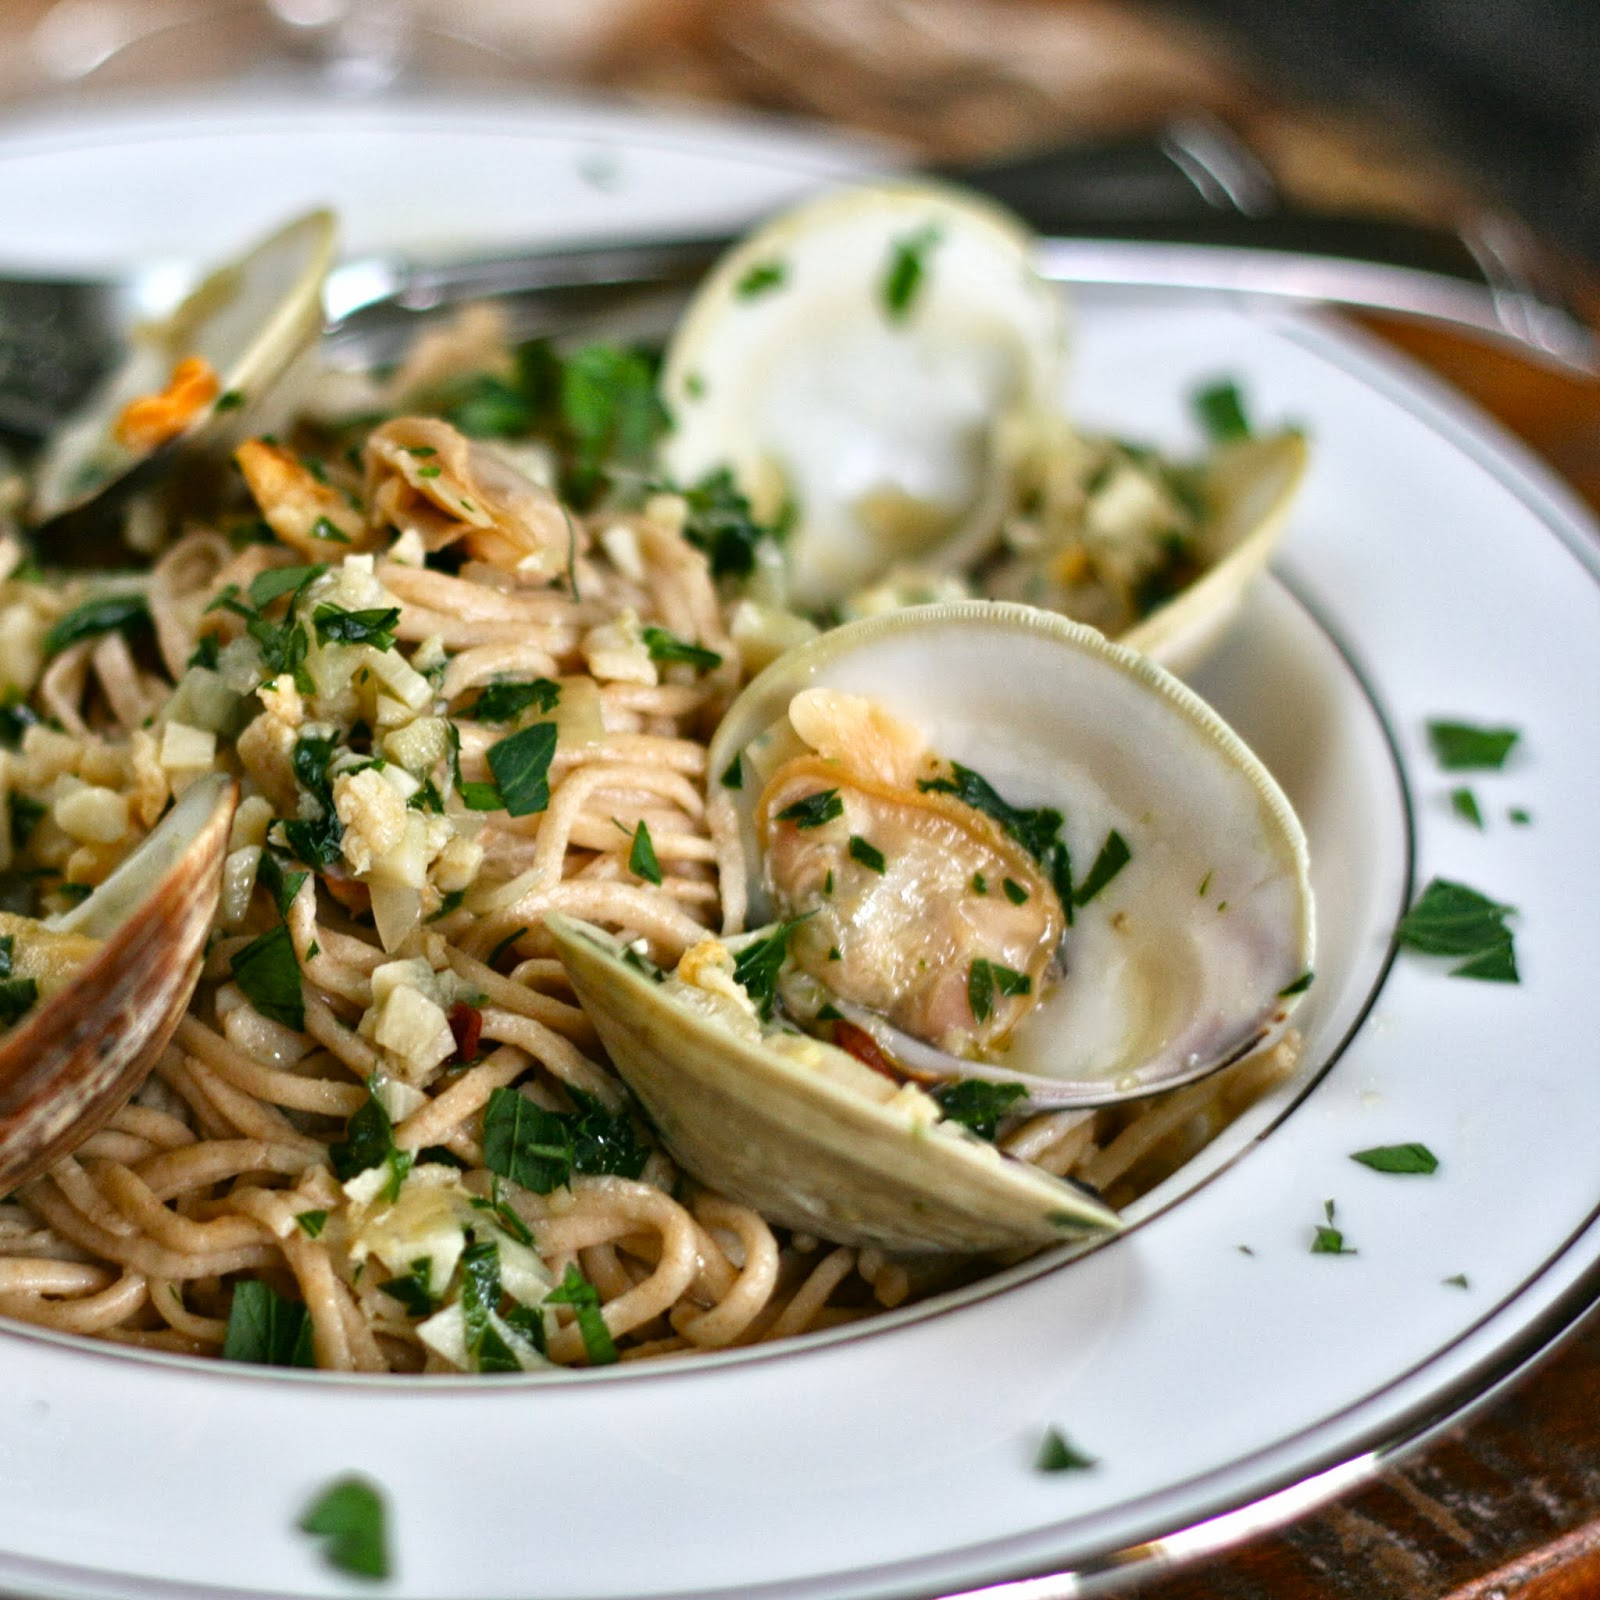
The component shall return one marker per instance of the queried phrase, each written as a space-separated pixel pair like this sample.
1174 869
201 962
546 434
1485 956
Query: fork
1190 209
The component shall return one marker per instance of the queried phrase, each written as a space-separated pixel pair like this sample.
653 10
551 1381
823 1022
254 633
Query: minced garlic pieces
187 753
616 652
373 814
409 1017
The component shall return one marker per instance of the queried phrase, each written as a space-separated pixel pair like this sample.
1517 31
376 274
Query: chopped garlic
373 814
282 700
408 549
407 1018
239 868
90 814
616 652
250 822
188 751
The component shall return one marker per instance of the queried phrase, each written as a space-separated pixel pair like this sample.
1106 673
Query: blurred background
1417 107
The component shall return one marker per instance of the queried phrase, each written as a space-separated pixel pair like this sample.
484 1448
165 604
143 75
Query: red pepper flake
859 1043
466 1026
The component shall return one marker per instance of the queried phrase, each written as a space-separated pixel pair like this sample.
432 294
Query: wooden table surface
1508 1504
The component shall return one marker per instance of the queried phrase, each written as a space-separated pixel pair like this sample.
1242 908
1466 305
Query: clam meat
205 369
979 842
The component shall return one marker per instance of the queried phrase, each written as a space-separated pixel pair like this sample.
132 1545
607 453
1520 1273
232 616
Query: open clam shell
1250 487
851 361
80 1054
828 1153
858 364
1192 955
203 368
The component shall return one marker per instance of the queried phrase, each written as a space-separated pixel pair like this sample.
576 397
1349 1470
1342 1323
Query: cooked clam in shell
207 367
996 847
883 371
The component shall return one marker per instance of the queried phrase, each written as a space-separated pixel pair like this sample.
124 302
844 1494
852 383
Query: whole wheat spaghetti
464 682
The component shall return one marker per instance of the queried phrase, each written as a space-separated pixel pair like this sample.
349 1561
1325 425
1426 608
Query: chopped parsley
756 967
668 649
719 522
267 1329
906 272
229 400
505 944
16 717
1114 856
448 903
540 1149
374 627
1398 1158
642 857
1299 986
1328 1240
576 1291
26 815
1221 412
276 582
17 995
980 884
312 1223
1015 893
733 774
868 854
413 1290
1457 1280
283 645
206 652
526 1143
978 1104
315 840
1465 747
1037 830
369 1142
268 975
1465 805
814 810
612 416
1057 1454
349 1516
487 1349
111 613
1449 919
505 702
521 767
988 979
327 528
282 886
760 279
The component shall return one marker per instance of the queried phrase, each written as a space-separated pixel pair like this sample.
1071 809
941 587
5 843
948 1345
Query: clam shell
1180 965
804 1150
79 1056
1250 486
869 415
249 319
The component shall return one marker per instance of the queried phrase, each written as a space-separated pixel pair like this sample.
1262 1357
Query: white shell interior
875 428
248 320
1180 960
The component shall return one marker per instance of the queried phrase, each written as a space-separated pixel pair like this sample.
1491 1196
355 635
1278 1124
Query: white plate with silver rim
1207 1358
